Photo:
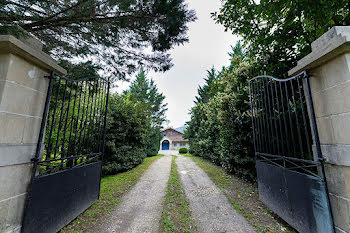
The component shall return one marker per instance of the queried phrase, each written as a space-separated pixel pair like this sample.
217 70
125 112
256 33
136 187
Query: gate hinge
34 160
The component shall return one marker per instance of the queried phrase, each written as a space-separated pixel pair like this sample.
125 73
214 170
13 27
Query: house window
175 144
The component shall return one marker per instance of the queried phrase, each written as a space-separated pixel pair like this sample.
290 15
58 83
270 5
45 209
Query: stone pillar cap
31 52
334 42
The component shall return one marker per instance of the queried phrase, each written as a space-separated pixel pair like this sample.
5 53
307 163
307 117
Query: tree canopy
278 33
146 91
220 125
134 123
118 36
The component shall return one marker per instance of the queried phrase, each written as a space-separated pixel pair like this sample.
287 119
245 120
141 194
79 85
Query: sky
208 46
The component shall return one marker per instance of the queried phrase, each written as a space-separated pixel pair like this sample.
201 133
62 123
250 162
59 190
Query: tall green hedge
220 128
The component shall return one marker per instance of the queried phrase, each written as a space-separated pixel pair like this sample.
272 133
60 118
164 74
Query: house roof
177 138
172 129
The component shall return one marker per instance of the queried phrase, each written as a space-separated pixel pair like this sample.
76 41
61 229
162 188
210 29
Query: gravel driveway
141 208
210 208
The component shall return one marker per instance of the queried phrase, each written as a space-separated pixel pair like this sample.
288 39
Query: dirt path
141 208
210 208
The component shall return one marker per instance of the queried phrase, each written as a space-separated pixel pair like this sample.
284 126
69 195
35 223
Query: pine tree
205 91
117 35
146 91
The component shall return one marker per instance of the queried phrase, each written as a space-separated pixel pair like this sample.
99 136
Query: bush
127 134
183 150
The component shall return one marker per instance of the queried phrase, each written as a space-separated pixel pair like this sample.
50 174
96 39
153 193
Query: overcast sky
208 46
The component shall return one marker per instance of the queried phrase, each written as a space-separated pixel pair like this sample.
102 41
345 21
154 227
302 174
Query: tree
146 91
220 127
205 92
118 36
278 33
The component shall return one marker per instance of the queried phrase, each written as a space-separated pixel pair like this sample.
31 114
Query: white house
173 140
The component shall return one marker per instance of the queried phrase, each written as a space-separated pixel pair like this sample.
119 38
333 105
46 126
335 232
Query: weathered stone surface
14 180
15 212
4 65
11 214
21 100
332 44
337 154
338 230
31 130
334 129
341 212
334 72
16 153
29 75
10 44
341 127
325 130
332 101
12 128
337 180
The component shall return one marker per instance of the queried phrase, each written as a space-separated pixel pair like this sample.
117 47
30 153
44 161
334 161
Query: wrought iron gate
68 160
289 160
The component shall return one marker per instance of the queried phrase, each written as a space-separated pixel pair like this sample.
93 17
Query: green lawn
112 189
176 215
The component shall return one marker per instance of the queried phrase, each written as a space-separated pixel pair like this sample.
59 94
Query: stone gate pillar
23 88
329 68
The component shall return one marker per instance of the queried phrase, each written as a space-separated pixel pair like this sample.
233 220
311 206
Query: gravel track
210 208
141 208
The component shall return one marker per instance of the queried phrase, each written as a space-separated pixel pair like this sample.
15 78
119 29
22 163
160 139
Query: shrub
127 133
183 150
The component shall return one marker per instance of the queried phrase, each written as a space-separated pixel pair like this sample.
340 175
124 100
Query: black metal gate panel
68 160
289 159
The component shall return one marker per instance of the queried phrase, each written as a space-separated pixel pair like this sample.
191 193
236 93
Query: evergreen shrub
183 150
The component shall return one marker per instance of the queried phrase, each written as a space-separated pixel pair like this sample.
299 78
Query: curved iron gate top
290 175
68 160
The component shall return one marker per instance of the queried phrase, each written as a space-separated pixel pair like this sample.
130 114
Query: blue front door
165 145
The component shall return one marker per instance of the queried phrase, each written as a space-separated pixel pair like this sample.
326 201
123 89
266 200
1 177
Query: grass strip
244 198
176 215
112 189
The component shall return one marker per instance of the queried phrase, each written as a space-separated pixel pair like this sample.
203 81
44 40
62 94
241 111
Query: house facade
173 140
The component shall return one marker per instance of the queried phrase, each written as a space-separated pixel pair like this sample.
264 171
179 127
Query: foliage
133 125
120 35
146 91
220 128
127 131
279 33
183 150
205 92
75 121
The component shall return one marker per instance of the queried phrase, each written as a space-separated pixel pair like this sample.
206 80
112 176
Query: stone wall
329 68
23 88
